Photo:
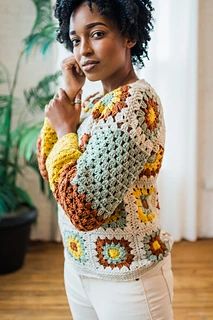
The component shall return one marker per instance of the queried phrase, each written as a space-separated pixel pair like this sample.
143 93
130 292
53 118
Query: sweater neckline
101 96
131 84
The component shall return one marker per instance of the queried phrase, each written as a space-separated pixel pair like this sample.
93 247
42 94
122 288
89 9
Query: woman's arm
74 80
48 137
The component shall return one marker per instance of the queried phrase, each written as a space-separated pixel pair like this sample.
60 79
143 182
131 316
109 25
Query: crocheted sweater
104 180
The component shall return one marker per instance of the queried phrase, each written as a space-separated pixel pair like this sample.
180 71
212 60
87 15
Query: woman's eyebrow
89 26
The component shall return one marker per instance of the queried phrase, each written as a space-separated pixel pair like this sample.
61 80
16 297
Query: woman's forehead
83 16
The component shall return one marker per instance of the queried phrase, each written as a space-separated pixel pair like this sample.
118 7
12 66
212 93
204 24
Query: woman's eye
98 34
74 42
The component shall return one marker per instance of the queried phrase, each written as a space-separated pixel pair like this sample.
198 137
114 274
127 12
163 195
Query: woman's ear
130 43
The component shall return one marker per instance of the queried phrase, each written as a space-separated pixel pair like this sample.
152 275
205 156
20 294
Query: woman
102 159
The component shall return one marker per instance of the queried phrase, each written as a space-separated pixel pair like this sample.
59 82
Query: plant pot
14 238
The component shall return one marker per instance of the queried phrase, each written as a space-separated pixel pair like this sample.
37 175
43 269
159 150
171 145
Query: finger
68 61
78 101
77 68
80 70
61 94
79 95
80 92
70 58
46 108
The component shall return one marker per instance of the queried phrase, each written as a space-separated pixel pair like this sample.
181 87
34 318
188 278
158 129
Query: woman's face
97 43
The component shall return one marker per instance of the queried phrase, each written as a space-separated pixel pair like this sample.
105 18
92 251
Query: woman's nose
85 48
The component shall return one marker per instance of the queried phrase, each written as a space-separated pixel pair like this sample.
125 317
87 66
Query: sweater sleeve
90 185
45 143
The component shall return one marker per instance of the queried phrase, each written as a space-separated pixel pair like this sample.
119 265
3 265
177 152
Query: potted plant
18 145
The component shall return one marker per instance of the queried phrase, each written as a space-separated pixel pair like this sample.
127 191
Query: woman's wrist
63 131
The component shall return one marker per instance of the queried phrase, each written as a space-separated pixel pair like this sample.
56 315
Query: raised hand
64 115
74 78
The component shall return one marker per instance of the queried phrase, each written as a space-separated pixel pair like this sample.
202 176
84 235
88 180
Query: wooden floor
36 292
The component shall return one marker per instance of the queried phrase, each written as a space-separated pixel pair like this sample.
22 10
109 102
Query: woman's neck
119 80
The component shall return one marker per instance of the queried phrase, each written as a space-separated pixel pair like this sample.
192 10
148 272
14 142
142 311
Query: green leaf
4 101
40 95
8 199
43 14
27 144
43 33
12 197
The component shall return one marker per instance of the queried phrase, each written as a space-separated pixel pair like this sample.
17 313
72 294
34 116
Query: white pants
147 298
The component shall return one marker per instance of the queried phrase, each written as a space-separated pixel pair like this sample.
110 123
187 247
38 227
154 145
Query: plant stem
16 72
10 111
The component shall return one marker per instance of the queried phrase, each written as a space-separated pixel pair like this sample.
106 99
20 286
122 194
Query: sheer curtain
172 70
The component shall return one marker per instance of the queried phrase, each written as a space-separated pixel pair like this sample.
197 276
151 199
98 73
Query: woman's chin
93 77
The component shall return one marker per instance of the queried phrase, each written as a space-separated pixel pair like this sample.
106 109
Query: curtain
172 70
205 117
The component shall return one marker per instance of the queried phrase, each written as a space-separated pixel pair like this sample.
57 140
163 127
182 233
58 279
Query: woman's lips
90 66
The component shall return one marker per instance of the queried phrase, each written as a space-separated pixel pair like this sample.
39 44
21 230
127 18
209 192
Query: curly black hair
133 18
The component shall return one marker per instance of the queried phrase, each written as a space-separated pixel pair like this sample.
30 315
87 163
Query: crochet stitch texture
104 180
